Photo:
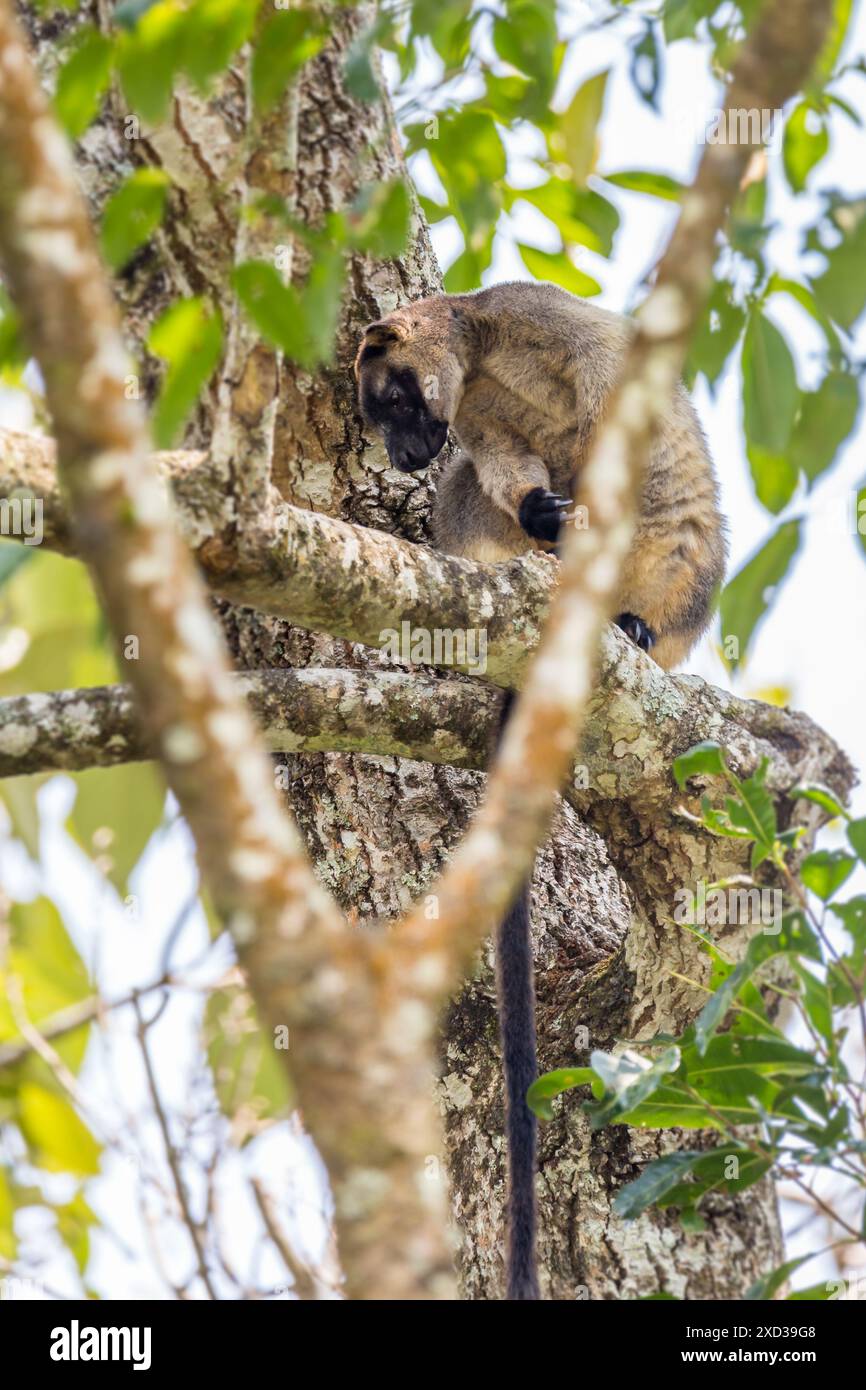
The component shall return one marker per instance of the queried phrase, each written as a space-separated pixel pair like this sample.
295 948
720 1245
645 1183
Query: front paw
540 514
635 628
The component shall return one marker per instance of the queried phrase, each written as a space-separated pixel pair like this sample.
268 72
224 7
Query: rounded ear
384 331
377 336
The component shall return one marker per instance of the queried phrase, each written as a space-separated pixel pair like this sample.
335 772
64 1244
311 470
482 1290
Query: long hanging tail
516 993
517 1032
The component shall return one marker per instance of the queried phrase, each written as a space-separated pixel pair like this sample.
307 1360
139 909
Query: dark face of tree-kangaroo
393 403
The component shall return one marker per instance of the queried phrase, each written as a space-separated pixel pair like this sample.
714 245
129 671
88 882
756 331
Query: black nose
409 462
407 455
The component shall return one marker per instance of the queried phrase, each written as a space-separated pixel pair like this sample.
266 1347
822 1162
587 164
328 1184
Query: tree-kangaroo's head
410 381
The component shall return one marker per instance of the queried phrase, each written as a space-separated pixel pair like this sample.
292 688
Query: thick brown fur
522 374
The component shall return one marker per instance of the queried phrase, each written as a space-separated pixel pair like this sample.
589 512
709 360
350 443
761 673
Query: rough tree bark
378 828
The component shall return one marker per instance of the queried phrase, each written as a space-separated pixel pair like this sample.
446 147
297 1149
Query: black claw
540 514
635 628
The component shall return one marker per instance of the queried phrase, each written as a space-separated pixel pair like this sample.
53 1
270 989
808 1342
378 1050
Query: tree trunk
379 828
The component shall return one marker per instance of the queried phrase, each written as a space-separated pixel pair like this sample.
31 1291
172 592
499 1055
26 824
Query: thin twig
171 1154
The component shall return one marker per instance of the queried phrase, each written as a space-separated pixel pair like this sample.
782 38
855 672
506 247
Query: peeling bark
317 571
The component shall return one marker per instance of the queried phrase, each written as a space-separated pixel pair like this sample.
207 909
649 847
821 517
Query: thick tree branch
388 713
316 571
638 721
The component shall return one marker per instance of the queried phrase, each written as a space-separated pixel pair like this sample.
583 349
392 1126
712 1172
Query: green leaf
57 1138
841 289
509 98
817 1002
13 353
188 337
303 323
647 181
433 212
794 937
274 308
148 58
719 330
321 298
655 1181
703 760
829 55
725 1169
552 1084
729 1056
525 37
559 269
213 30
681 17
358 72
752 808
12 556
827 418
748 227
168 38
579 123
18 795
857 837
288 40
82 81
132 215
579 214
447 24
116 812
8 1242
51 974
52 599
465 273
803 146
838 103
775 477
250 1077
746 598
128 12
770 394
714 1011
853 916
805 297
819 796
645 68
769 1284
824 871
379 219
469 157
672 1107
74 1222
